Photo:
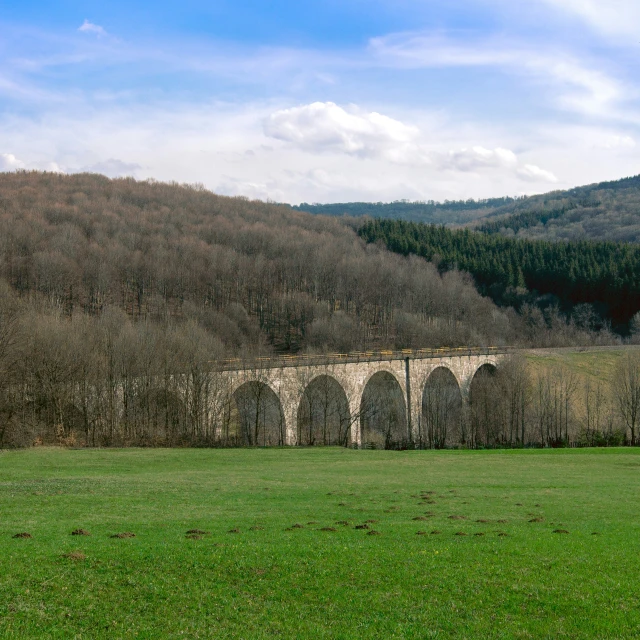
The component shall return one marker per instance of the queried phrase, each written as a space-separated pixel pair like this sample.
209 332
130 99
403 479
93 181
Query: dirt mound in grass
457 517
371 521
194 536
197 532
479 533
373 532
80 532
125 534
435 532
421 533
256 528
75 555
483 521
24 534
459 533
328 529
536 520
420 518
361 526
343 523
234 530
560 531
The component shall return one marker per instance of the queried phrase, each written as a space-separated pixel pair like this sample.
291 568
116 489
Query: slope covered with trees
603 211
605 275
430 211
255 275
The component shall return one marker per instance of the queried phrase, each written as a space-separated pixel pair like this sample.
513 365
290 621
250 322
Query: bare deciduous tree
626 391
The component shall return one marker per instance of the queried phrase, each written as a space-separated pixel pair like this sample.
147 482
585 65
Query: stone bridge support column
289 402
354 415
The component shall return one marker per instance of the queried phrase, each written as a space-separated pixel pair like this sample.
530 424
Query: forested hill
163 270
603 211
605 275
447 212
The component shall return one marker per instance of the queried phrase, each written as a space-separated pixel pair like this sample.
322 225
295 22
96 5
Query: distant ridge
429 211
601 211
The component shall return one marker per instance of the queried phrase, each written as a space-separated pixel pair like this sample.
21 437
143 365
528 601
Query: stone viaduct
406 373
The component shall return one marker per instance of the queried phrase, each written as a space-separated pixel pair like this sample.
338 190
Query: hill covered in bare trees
255 276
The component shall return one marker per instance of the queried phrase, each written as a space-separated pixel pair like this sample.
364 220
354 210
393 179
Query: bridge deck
277 362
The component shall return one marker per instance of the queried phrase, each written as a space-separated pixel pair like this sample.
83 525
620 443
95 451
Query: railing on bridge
275 362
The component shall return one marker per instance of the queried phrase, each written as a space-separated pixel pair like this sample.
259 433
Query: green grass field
507 577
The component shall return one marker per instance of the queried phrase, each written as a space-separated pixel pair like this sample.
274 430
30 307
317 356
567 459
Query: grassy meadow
597 365
465 545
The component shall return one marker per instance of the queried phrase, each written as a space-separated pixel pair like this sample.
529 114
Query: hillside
253 276
447 212
517 271
604 211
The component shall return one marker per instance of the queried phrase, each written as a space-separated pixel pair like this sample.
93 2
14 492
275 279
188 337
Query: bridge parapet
306 360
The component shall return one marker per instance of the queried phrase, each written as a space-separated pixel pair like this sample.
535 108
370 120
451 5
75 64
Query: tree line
520 405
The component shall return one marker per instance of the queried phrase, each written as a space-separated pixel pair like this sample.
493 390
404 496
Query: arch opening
484 421
323 415
441 410
383 413
255 417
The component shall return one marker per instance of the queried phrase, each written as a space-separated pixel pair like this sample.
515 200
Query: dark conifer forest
512 271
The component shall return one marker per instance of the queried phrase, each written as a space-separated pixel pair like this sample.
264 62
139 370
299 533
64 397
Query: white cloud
578 84
324 126
610 17
532 173
8 162
268 190
478 157
321 127
619 142
113 168
89 27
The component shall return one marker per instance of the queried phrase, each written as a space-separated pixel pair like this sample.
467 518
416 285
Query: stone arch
323 416
255 416
384 369
484 421
383 412
485 371
441 408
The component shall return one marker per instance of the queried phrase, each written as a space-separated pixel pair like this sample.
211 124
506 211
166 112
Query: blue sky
325 101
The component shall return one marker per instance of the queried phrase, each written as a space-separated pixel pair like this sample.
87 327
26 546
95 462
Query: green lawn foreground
278 581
